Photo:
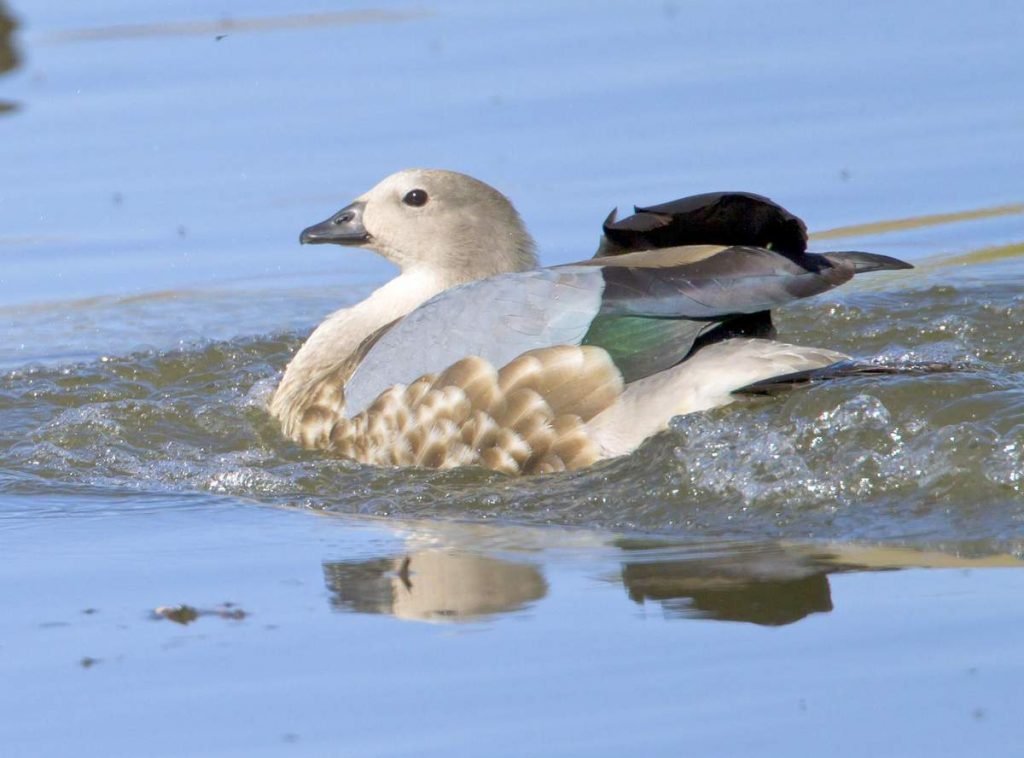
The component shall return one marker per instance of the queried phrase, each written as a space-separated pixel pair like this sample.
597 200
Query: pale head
449 223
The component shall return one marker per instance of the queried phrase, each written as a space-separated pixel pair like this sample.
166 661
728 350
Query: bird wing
647 310
496 319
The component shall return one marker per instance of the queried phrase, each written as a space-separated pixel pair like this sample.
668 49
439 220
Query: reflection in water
9 58
433 585
731 588
770 584
773 585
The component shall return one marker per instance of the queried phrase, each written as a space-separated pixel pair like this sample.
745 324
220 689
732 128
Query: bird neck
313 375
341 333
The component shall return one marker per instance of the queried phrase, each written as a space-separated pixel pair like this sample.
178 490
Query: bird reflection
766 586
433 585
769 584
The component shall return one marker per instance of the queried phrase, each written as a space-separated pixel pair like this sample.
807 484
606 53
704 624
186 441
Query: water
159 162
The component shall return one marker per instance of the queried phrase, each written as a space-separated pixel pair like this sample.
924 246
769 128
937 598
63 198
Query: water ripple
935 459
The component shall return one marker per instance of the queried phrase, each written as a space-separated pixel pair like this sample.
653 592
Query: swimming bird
473 355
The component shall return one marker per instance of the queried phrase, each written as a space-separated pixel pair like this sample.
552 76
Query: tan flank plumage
474 356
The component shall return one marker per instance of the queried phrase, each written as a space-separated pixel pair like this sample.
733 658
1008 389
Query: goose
474 355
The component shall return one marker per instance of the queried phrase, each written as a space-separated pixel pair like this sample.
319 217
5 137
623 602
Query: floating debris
185 614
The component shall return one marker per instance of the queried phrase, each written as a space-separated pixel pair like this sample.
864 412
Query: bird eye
415 198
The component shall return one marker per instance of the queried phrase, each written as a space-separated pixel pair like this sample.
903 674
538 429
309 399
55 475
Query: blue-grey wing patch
496 319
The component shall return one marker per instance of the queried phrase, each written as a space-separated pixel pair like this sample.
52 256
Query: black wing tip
844 370
863 262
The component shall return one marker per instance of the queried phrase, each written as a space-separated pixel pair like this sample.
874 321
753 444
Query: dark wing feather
714 218
842 370
863 263
651 317
734 281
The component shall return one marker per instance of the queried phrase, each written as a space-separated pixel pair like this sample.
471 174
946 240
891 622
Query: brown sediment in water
918 222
